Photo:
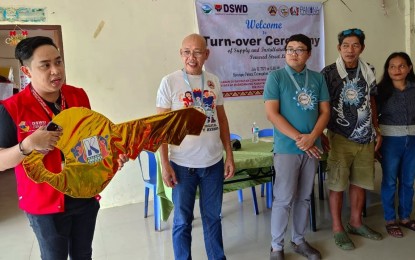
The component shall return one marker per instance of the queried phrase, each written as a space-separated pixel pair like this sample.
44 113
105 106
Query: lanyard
295 82
186 79
357 75
45 107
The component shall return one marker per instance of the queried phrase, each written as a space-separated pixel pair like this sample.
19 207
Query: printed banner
247 39
22 14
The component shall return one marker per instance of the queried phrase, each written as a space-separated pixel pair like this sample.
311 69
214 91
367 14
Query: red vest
29 115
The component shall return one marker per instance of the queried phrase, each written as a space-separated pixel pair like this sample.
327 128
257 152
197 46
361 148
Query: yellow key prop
91 145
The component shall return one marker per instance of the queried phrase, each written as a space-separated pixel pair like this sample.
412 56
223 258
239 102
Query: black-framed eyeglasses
296 51
350 31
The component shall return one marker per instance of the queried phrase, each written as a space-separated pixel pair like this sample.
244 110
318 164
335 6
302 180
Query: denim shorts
349 162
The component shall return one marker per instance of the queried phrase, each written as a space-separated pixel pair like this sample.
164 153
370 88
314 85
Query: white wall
122 67
409 13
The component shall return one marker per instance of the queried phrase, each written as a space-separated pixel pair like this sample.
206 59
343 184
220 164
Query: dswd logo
207 8
235 9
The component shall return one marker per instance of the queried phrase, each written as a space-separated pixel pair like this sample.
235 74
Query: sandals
364 231
394 230
410 224
342 240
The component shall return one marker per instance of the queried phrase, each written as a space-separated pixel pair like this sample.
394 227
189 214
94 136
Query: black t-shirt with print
350 113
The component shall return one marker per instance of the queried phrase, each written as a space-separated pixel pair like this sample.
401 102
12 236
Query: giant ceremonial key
91 145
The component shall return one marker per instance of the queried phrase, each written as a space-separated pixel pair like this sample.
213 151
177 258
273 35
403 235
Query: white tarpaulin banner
247 39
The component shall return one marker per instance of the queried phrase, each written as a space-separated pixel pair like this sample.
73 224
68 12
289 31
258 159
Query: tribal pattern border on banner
247 39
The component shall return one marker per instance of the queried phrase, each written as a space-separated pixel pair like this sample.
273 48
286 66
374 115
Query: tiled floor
123 233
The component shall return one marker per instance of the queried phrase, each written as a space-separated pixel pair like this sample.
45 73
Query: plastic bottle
255 132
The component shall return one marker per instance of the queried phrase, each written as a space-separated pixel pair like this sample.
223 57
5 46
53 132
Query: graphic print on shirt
304 96
30 126
363 123
188 99
204 102
353 95
306 99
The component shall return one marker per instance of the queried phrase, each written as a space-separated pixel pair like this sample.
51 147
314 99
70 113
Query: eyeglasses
197 54
297 51
350 31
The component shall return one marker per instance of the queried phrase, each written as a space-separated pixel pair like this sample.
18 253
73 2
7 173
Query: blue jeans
398 163
70 232
210 183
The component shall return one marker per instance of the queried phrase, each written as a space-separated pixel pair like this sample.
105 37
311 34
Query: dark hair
352 32
4 79
385 86
26 47
299 38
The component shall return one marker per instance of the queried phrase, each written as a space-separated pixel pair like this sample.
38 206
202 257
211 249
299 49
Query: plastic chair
236 137
266 132
240 193
151 183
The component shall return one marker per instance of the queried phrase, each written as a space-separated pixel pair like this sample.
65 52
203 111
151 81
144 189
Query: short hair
26 47
352 32
300 38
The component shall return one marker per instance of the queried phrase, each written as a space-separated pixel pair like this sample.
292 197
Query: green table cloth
249 160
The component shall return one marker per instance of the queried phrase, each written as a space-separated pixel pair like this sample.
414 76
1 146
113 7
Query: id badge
305 100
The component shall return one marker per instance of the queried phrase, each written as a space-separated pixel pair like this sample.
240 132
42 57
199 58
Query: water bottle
255 132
